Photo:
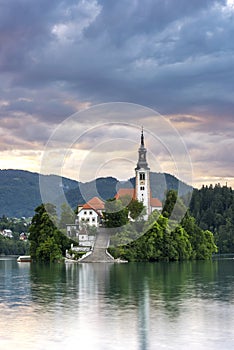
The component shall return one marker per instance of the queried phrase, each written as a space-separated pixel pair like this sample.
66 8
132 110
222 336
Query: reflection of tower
143 319
143 176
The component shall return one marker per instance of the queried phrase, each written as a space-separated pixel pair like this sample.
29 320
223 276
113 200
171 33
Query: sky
82 77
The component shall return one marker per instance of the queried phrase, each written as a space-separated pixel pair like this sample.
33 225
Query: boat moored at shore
24 258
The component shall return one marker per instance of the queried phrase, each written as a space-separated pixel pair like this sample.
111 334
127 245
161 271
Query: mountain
20 190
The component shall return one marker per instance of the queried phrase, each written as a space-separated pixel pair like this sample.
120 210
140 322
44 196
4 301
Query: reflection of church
91 212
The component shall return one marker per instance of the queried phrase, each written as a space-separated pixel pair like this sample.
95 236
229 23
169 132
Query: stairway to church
99 251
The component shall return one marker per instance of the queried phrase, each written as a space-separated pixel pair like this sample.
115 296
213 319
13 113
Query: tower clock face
142 182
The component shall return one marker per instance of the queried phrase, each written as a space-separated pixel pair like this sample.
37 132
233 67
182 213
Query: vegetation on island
208 224
165 239
47 242
118 212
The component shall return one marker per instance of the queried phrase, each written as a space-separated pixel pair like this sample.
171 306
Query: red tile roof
94 203
126 192
86 206
97 204
155 202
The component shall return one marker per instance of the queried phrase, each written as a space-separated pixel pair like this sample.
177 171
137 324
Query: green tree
136 210
183 245
169 204
45 238
67 216
174 207
115 214
202 242
48 251
126 235
163 242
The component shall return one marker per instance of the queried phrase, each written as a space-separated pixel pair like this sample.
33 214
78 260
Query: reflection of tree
56 285
169 284
148 290
50 284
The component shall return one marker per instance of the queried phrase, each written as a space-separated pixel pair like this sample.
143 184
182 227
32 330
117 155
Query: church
91 212
142 191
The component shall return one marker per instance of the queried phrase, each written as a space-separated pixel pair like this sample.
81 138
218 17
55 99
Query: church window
85 212
87 219
142 188
90 213
93 219
142 176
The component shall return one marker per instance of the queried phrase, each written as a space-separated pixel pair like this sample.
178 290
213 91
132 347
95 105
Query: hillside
20 192
107 187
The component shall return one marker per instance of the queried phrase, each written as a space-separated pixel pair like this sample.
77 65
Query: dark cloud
57 57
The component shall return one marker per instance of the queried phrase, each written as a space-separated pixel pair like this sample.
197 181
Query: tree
67 216
169 204
174 207
115 214
48 251
136 209
183 244
164 242
202 242
126 235
47 242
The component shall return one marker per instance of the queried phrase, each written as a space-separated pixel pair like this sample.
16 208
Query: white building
91 212
7 233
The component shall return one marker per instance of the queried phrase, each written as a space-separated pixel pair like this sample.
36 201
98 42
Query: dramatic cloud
176 57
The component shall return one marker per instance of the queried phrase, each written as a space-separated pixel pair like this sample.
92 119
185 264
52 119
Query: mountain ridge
20 189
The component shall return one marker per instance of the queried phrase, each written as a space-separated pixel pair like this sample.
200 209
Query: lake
138 306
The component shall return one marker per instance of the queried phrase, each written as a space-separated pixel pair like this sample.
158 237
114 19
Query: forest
213 209
162 237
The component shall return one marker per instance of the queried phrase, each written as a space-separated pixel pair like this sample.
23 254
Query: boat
24 258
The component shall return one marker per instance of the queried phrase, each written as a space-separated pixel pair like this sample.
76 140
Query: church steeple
143 177
142 163
142 137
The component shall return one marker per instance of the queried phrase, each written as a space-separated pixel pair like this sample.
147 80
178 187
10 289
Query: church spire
142 137
142 163
143 176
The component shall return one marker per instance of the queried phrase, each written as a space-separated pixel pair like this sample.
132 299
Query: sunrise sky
169 62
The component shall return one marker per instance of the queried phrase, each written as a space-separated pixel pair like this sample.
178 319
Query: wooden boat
24 258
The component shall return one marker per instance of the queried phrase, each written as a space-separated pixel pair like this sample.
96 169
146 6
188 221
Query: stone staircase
99 252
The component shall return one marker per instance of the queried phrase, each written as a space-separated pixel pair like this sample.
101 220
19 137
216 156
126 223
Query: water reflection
139 306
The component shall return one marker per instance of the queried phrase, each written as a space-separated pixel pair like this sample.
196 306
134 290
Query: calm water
139 306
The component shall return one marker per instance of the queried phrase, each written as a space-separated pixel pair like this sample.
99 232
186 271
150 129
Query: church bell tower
143 176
